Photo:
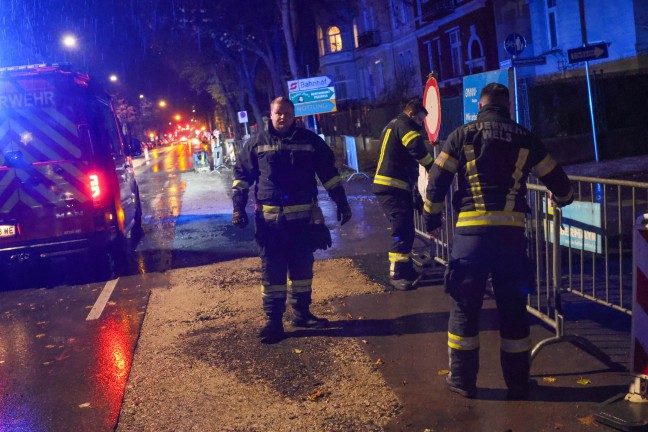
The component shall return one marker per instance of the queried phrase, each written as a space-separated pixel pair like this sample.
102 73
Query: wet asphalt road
61 371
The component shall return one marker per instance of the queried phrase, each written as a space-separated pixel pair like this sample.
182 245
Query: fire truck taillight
95 189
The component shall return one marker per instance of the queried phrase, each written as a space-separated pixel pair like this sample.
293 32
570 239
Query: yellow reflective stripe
240 184
517 175
300 282
299 286
516 345
282 146
398 257
425 161
266 289
382 149
447 162
463 343
480 218
388 181
333 182
301 211
544 167
473 178
409 136
432 207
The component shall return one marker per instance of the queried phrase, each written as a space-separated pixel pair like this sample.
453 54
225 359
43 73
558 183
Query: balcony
369 39
435 9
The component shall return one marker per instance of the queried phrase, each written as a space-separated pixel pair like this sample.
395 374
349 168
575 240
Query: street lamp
177 117
69 41
113 78
162 104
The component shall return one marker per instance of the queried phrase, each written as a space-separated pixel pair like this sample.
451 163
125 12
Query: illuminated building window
335 39
320 40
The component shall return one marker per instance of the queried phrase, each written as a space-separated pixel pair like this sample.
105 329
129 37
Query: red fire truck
66 184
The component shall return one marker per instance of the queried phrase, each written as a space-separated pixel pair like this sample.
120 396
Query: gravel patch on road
199 366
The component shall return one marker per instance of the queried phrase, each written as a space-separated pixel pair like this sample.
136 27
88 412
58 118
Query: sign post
587 53
243 118
514 44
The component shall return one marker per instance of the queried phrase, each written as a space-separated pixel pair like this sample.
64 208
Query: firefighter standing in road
283 164
402 150
492 158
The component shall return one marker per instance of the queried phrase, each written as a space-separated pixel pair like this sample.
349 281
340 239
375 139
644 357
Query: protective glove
432 221
240 218
320 237
343 213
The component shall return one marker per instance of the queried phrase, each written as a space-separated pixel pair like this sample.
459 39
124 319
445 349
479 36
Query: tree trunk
286 24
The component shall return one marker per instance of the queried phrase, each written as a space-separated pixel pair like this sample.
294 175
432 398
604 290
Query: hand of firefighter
239 218
343 213
417 199
432 222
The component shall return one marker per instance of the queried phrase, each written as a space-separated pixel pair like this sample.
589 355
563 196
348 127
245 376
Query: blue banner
352 155
472 85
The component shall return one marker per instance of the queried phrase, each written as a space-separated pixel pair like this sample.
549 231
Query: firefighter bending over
492 158
402 150
282 164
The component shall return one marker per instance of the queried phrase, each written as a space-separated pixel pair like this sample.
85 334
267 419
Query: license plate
7 230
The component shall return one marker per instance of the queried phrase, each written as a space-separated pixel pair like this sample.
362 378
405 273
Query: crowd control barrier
230 151
352 157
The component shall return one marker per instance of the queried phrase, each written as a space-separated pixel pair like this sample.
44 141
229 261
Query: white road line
100 304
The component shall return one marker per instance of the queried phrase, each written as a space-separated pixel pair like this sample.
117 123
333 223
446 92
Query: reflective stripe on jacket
402 150
492 157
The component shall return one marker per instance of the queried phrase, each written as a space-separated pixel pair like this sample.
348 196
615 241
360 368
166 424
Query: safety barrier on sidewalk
352 157
230 152
640 295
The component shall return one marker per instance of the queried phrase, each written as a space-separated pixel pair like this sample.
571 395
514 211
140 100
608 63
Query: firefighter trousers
398 206
501 253
286 265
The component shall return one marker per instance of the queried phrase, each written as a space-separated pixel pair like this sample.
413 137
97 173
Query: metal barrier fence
589 256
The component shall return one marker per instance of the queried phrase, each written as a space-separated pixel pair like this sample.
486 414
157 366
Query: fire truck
67 186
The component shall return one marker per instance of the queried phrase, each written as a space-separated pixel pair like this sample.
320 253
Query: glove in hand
417 200
239 218
343 213
432 221
320 237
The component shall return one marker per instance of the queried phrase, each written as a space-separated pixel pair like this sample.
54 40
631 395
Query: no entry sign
432 103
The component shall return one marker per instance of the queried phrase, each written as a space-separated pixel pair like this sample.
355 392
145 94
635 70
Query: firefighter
492 158
282 163
402 150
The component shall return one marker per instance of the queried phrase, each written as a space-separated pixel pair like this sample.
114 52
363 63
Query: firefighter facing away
492 158
402 150
283 164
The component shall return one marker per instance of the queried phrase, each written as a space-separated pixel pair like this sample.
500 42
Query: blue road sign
514 44
472 85
588 53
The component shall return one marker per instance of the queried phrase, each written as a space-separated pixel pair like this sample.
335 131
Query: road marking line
100 304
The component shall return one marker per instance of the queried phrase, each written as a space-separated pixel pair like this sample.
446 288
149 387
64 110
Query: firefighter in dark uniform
492 158
402 150
282 164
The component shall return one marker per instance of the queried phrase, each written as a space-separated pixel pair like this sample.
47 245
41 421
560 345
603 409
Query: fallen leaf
550 379
41 322
47 363
349 316
40 335
443 372
297 351
587 421
85 405
111 303
50 346
379 361
361 317
364 341
584 381
315 395
89 307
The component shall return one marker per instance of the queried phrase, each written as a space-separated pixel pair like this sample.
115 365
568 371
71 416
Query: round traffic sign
514 44
432 103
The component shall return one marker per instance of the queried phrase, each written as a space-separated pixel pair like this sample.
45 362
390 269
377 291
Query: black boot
273 330
301 311
403 276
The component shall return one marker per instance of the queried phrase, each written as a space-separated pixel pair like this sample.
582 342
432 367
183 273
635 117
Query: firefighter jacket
492 157
283 170
402 150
